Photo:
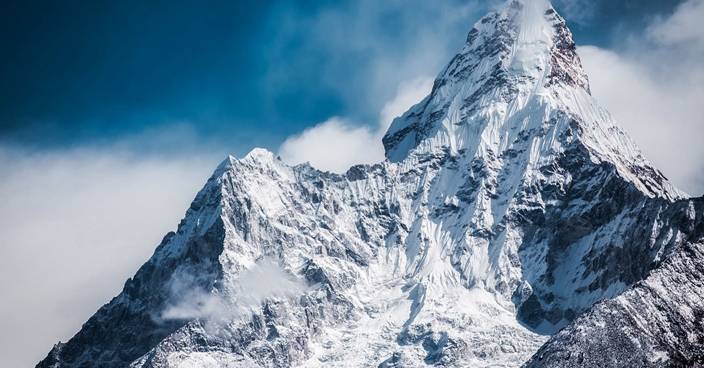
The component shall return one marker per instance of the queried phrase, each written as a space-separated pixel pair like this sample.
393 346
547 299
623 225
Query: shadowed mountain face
657 323
509 205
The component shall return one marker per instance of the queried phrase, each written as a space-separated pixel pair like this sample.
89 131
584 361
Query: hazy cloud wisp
264 280
337 143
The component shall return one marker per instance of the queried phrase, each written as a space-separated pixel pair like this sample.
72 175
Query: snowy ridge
509 204
658 322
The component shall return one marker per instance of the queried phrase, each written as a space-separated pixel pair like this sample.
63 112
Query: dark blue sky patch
247 73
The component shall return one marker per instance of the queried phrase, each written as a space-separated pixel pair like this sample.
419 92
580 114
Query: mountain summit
510 206
518 74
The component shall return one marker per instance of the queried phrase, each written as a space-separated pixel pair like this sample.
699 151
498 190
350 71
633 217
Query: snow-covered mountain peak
512 58
530 26
263 163
518 86
534 45
260 154
510 204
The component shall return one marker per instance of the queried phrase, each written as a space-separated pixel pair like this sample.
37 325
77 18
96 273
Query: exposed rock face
509 204
657 323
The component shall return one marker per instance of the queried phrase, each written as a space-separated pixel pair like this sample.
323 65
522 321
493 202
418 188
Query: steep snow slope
509 204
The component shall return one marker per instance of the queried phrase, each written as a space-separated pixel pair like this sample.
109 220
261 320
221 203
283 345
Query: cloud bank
75 225
653 84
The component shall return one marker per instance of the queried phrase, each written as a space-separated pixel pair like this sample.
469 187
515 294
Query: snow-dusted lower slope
509 204
659 322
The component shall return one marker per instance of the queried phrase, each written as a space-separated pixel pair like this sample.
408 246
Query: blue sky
240 73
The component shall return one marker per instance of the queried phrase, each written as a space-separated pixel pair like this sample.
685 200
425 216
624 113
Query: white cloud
74 226
654 86
683 28
407 94
333 145
264 280
336 144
